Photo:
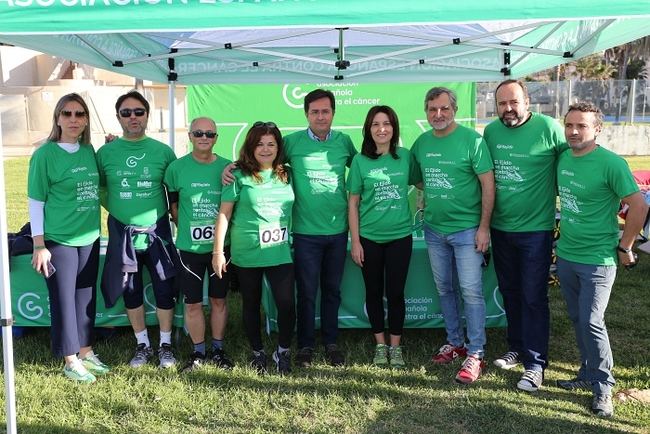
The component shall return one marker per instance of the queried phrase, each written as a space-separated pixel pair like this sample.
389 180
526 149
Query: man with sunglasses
591 183
131 171
194 185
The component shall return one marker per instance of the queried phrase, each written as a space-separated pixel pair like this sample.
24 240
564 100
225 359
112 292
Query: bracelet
623 249
39 247
218 253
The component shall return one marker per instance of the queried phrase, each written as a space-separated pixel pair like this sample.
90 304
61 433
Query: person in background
380 227
592 182
194 186
257 209
131 171
63 184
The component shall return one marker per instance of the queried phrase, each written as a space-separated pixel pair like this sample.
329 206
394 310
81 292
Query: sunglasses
77 114
200 133
126 113
264 124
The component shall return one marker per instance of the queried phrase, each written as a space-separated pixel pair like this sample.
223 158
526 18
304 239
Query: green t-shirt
261 220
590 188
382 185
199 196
132 173
524 172
69 186
448 167
318 170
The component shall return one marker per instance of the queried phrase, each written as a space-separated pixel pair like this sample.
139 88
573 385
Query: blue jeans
459 248
318 259
521 263
586 290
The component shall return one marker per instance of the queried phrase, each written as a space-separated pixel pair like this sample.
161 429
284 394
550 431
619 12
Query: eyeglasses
200 133
126 112
77 114
264 124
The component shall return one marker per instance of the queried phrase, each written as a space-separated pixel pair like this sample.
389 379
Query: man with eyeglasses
592 182
194 185
525 147
131 171
456 174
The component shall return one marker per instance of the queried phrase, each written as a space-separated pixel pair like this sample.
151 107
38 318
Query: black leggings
281 280
386 266
72 291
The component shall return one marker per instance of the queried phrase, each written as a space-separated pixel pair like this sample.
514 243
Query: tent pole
5 306
172 106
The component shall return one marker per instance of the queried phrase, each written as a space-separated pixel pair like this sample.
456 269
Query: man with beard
525 147
592 182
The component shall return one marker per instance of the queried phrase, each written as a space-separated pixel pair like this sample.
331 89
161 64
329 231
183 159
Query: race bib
273 235
202 233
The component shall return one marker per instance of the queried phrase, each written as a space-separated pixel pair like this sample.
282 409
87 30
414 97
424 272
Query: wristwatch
623 249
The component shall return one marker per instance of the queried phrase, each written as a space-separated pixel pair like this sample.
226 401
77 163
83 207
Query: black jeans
384 270
281 280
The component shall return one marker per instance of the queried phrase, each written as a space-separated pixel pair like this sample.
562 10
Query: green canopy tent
280 41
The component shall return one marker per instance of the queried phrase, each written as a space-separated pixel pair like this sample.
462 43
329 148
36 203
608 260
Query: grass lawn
356 399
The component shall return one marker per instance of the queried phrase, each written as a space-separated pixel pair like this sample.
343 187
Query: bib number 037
273 235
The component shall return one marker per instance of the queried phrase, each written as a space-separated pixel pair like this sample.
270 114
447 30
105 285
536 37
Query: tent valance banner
262 41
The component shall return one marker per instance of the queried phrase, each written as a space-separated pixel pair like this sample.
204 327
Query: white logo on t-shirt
132 161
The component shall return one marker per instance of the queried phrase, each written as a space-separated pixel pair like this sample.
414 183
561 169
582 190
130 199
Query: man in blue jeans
591 182
524 147
458 182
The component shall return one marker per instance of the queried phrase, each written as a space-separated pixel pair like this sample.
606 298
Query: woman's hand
357 253
219 264
41 261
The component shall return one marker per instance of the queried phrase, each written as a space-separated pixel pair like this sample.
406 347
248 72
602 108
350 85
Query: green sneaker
79 373
396 358
381 355
94 365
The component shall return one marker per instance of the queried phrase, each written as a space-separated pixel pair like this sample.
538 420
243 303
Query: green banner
421 296
61 16
31 308
236 107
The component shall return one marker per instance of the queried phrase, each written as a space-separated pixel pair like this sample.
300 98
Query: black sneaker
196 361
304 357
574 384
334 355
258 362
508 361
282 362
142 355
220 359
531 380
166 356
602 405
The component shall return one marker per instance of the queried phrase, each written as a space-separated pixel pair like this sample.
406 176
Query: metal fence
622 101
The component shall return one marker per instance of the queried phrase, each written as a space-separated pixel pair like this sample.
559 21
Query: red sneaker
471 370
448 353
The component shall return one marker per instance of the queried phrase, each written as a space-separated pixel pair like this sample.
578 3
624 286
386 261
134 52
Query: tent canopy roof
240 41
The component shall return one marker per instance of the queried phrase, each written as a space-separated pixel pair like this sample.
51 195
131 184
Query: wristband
623 249
218 253
39 247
